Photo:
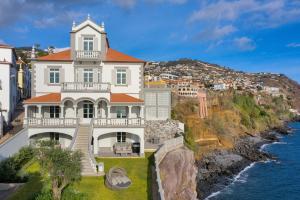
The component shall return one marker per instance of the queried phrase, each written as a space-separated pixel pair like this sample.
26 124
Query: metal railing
51 122
88 55
159 155
85 87
100 122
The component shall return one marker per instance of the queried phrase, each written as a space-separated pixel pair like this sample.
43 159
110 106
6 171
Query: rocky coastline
217 168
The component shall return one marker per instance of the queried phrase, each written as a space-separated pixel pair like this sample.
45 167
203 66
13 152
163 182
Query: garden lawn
34 185
138 170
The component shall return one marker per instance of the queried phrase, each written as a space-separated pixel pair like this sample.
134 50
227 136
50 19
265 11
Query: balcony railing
89 55
101 122
85 87
51 122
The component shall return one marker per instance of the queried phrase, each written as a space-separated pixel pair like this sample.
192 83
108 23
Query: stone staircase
82 144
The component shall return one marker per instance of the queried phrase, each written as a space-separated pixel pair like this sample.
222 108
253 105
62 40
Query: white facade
88 85
8 83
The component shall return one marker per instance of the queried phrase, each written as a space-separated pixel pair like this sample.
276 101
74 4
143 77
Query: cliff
178 174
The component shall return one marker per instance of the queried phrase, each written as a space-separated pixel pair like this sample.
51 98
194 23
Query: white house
89 97
8 83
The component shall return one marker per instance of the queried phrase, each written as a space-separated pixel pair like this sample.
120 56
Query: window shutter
128 76
47 112
113 77
46 76
80 43
96 44
95 75
61 75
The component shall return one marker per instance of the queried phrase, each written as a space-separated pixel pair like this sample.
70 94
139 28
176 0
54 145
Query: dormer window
88 44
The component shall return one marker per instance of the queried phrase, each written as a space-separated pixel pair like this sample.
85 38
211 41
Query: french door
88 110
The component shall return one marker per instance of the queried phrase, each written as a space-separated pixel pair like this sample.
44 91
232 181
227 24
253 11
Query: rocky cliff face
178 174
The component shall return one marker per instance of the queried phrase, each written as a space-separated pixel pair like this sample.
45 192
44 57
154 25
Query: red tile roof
48 98
5 46
111 56
116 56
60 56
123 98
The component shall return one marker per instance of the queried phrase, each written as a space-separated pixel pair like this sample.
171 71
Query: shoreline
219 169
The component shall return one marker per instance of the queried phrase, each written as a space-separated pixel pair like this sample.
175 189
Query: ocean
271 180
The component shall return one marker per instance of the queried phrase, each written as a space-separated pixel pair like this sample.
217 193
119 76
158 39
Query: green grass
34 185
138 170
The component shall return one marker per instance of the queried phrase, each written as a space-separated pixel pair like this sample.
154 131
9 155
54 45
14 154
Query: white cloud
2 41
215 33
244 44
293 45
128 4
263 14
168 1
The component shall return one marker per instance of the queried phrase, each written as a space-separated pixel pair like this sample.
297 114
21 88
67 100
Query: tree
62 166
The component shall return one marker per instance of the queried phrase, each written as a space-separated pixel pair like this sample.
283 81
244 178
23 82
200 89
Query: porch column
142 143
75 110
96 146
39 114
142 115
62 111
108 111
96 110
129 111
26 111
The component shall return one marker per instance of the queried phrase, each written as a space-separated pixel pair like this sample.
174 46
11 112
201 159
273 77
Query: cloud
179 2
127 4
293 45
264 14
2 41
244 44
215 33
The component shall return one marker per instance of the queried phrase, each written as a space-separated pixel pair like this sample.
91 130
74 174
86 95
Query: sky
247 35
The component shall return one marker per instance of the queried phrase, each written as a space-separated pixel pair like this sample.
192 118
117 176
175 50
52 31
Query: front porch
70 113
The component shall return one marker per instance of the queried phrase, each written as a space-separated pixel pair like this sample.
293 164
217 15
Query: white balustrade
88 54
85 87
51 122
118 122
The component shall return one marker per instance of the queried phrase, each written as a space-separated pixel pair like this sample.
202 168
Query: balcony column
142 115
96 111
129 112
62 111
39 114
75 110
26 111
108 111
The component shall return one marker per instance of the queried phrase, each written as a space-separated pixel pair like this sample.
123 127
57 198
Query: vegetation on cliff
231 115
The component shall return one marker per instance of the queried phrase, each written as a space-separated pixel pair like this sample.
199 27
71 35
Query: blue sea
272 180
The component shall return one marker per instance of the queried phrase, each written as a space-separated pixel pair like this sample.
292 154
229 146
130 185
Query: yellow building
23 79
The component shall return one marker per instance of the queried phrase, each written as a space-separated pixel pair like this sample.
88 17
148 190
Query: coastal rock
216 169
178 174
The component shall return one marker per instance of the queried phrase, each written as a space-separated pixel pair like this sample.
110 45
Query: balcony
73 122
88 55
118 122
85 87
51 122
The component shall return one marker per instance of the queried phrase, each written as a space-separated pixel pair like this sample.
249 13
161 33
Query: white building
89 97
220 86
8 83
168 76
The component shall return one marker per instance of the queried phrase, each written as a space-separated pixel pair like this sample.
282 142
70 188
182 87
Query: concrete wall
14 144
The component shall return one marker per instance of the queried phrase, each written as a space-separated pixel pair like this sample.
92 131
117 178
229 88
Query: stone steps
82 144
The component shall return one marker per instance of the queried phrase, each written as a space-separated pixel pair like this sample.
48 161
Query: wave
240 177
265 145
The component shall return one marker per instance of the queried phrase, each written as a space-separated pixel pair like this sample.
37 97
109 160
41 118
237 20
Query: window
121 76
121 137
88 75
88 43
0 84
54 76
54 111
121 113
88 110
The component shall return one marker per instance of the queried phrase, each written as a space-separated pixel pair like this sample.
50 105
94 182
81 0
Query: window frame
121 76
54 111
121 137
88 41
88 75
56 76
